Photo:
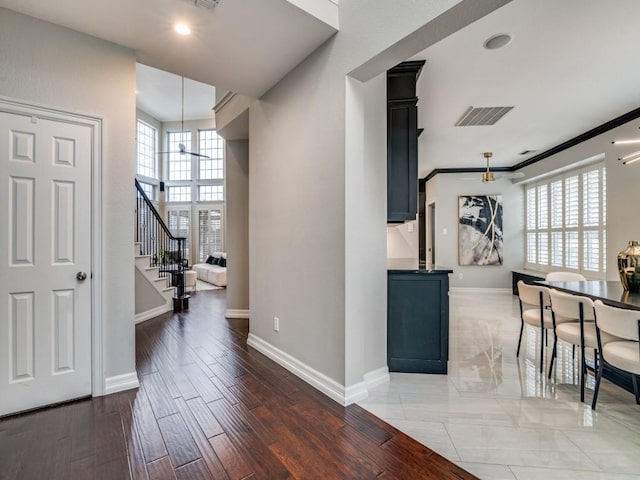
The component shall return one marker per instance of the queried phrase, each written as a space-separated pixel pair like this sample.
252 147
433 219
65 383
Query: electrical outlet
460 275
276 324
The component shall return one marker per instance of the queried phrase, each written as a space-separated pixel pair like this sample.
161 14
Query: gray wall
237 223
46 64
147 296
403 240
444 189
300 185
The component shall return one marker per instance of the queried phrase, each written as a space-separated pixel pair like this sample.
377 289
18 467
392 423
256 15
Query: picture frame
480 230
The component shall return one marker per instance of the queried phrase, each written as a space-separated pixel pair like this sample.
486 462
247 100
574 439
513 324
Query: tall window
179 163
212 146
179 194
149 189
566 222
209 233
146 147
210 193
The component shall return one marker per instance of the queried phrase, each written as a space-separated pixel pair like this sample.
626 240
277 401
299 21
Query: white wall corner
331 388
360 391
235 313
120 383
377 377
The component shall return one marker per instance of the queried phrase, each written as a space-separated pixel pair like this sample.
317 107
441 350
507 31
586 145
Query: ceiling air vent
206 3
474 117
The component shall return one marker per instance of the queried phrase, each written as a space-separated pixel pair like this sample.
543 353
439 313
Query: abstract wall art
480 237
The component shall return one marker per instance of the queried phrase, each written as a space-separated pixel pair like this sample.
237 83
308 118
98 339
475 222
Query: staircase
157 253
160 284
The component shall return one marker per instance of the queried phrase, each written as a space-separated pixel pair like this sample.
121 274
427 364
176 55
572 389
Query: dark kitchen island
417 317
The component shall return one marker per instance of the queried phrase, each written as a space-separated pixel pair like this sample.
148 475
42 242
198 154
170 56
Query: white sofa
215 274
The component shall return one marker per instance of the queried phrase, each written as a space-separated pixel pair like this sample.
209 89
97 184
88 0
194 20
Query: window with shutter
209 233
566 218
178 221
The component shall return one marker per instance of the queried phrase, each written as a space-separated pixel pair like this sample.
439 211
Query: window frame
544 228
174 157
153 147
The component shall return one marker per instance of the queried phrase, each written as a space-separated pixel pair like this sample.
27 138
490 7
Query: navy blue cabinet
402 142
418 321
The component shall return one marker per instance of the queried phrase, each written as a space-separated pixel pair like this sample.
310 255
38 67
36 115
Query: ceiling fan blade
197 154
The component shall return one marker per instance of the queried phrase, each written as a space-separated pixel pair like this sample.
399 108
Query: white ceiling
242 45
159 93
571 66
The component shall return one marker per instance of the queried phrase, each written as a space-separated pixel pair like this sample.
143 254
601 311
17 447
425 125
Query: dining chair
534 310
564 277
622 348
575 324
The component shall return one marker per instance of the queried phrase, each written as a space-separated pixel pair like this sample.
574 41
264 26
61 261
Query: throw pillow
223 262
216 261
210 260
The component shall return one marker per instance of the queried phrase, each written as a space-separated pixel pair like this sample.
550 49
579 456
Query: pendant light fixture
488 175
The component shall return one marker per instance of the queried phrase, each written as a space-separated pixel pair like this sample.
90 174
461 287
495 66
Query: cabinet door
402 161
418 323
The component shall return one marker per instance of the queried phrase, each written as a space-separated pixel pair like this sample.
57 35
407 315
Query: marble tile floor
495 415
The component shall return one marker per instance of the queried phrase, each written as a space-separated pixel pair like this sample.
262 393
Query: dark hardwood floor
210 407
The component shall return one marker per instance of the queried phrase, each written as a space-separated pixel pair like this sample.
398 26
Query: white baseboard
154 312
331 388
233 313
360 391
120 383
377 377
470 290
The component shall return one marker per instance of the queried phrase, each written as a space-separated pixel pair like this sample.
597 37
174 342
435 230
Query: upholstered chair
535 311
577 328
621 349
564 277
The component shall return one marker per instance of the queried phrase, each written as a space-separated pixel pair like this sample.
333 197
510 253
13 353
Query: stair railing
165 250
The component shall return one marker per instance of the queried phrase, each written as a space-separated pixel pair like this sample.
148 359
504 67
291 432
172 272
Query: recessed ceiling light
625 142
182 29
497 41
631 158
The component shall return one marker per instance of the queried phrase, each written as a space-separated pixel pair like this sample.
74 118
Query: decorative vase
629 267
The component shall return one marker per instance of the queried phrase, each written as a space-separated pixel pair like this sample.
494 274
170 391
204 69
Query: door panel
45 214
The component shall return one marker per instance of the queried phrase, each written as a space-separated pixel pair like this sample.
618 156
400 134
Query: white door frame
21 107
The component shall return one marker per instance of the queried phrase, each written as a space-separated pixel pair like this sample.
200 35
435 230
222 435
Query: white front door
45 249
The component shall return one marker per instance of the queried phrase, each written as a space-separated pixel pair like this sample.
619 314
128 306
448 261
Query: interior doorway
431 244
47 288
